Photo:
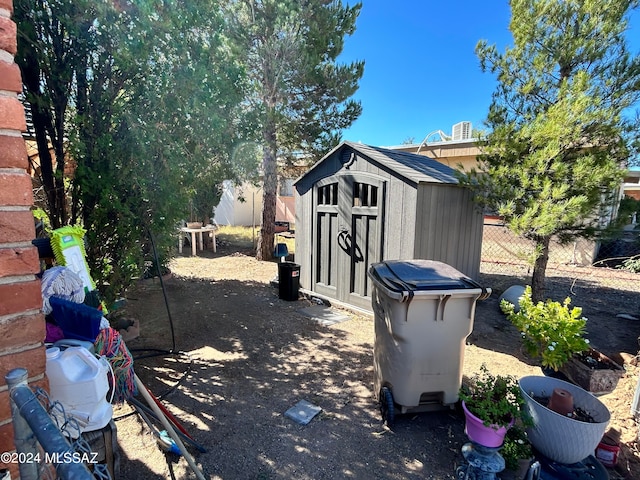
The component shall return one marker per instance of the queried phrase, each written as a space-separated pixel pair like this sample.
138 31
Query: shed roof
416 168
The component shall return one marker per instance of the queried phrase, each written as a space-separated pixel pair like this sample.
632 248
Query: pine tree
560 129
300 94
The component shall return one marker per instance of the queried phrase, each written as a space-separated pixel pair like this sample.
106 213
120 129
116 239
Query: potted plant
563 438
517 451
553 332
492 404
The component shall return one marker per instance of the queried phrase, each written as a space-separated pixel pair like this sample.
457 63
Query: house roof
416 168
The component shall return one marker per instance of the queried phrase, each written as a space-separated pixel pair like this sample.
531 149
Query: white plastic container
78 380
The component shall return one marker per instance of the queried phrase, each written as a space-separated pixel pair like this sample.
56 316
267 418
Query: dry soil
240 357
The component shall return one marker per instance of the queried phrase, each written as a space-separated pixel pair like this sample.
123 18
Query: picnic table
199 231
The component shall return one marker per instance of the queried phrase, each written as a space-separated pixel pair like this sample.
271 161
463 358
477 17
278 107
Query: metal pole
29 419
22 435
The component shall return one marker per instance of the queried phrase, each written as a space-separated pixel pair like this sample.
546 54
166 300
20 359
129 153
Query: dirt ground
242 357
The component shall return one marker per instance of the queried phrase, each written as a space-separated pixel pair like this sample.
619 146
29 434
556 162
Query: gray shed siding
422 213
400 221
448 227
304 224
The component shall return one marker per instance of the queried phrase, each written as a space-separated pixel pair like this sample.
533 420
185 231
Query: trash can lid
412 275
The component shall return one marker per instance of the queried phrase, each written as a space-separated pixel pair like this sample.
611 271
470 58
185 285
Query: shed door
348 235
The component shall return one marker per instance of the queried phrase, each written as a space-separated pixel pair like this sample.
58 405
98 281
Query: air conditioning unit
461 131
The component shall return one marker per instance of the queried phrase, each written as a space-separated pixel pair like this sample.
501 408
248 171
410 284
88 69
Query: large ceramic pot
558 437
489 436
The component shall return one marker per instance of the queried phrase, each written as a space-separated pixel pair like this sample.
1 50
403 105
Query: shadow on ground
250 356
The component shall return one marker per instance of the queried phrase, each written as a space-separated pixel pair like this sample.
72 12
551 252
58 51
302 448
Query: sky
421 73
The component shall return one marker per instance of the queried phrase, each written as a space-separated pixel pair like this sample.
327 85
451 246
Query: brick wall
22 326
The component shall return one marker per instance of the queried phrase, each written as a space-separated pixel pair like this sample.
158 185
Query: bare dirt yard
242 357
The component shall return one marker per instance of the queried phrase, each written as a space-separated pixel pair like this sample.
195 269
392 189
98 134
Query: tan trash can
423 313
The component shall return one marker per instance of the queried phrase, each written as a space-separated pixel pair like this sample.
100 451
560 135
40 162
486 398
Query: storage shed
362 204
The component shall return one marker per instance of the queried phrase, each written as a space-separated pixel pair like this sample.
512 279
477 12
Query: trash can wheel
387 408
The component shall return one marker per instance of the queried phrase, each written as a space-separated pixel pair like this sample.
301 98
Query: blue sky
421 72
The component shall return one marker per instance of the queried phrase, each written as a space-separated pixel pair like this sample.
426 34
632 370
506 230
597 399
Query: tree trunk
56 216
539 270
269 190
44 127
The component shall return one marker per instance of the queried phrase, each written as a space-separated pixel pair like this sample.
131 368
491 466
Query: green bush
632 264
494 399
516 446
551 331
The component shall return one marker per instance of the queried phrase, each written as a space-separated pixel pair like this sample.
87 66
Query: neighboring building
460 151
632 184
241 205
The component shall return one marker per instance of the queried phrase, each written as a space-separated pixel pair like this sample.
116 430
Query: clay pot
561 401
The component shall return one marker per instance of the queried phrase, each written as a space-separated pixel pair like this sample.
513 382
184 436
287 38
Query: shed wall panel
304 244
399 228
448 228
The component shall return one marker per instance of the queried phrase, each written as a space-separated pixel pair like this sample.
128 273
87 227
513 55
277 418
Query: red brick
7 445
8 31
14 468
17 227
19 297
7 5
12 112
34 360
15 189
19 261
10 77
6 431
5 406
13 152
22 331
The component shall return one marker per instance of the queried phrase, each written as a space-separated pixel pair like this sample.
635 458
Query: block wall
22 326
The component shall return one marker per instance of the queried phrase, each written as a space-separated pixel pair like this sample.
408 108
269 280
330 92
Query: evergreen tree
299 93
144 98
560 133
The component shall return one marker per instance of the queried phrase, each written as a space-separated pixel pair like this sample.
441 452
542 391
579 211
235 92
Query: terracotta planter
491 436
593 371
561 401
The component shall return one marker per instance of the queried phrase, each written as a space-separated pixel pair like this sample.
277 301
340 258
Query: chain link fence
578 268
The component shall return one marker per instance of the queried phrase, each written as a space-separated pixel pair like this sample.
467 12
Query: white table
207 228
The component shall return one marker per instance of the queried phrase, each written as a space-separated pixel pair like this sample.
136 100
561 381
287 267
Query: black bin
288 281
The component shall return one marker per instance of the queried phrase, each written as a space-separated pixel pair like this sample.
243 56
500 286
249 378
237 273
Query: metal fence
581 264
42 435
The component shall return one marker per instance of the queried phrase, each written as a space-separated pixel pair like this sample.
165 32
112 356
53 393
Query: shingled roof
410 166
418 168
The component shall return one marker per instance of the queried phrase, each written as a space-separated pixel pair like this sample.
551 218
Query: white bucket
78 380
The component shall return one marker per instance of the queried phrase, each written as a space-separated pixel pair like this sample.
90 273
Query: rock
628 359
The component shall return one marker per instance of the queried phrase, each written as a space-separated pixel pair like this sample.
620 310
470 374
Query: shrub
551 331
494 399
